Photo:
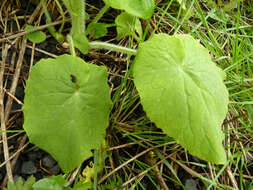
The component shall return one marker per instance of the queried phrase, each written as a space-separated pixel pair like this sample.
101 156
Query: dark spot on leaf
73 78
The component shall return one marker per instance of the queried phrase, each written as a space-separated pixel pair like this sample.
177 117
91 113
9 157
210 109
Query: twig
42 51
42 27
12 156
123 145
13 97
3 117
13 162
72 175
211 173
32 57
152 160
15 78
144 172
130 160
10 137
231 177
6 111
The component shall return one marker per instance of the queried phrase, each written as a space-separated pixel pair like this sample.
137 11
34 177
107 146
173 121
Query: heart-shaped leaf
182 91
139 8
66 108
35 37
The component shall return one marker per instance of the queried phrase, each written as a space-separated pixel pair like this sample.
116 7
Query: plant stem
71 45
100 13
95 182
62 14
51 29
76 9
113 47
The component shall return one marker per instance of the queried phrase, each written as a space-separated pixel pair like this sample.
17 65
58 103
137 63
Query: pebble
191 184
48 161
28 168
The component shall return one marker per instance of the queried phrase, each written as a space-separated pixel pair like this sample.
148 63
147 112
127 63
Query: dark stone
32 156
48 161
28 168
55 170
191 184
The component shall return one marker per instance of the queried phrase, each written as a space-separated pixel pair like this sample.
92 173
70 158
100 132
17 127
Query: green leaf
35 37
97 30
20 186
29 183
127 25
66 108
139 8
83 186
81 42
182 91
52 183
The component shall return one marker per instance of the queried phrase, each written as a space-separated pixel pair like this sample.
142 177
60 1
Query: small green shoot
97 30
28 185
128 25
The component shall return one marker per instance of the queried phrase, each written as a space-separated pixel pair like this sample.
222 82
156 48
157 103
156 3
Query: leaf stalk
112 47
